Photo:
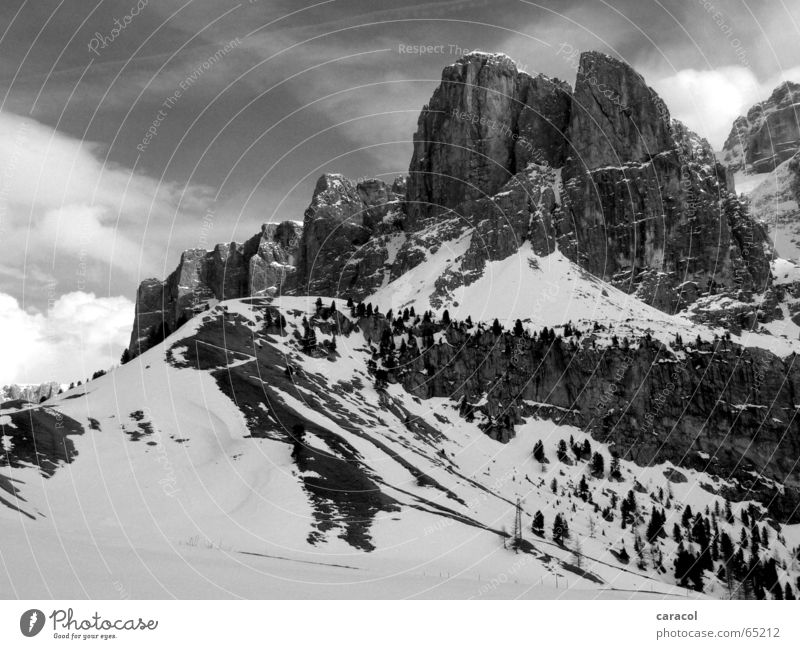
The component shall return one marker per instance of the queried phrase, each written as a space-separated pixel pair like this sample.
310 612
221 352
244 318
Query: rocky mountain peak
616 117
485 122
768 135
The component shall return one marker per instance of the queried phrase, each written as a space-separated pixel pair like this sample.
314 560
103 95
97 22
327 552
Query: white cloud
62 205
71 223
79 334
708 101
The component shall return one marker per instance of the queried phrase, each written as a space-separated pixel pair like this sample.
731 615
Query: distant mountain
763 153
30 393
768 135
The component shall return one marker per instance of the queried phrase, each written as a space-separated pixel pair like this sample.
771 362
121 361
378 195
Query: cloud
78 334
708 101
64 208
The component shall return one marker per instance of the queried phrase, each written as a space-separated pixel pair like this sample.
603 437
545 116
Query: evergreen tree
538 451
446 318
655 528
518 330
496 328
583 489
686 519
126 357
538 524
598 465
561 452
615 473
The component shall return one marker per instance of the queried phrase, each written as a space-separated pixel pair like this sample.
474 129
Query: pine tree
583 489
559 529
518 330
615 473
496 328
598 465
538 525
561 452
538 451
686 519
126 357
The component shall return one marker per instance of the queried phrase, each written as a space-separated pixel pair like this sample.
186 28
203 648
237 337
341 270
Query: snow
221 514
745 183
553 291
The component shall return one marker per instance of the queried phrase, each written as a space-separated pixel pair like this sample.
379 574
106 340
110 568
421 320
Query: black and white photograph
374 302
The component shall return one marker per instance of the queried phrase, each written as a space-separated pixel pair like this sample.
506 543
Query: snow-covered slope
183 473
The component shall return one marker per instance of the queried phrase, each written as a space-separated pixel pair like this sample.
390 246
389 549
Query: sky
125 125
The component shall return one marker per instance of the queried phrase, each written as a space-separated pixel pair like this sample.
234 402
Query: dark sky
305 87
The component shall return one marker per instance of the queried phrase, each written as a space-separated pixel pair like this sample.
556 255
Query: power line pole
518 526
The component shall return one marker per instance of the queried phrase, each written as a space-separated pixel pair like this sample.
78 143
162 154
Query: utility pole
518 526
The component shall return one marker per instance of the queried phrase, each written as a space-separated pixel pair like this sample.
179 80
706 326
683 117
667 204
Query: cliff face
343 217
484 123
711 405
646 205
768 135
264 265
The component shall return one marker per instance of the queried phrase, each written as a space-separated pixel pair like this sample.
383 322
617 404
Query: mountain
768 135
29 393
555 360
763 153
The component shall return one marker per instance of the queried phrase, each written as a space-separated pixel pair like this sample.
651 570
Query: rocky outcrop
29 393
338 255
710 404
768 135
646 207
264 265
485 122
794 173
616 118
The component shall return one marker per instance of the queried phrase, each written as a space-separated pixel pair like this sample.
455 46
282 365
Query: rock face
768 135
616 118
646 206
710 405
29 393
264 265
794 172
484 123
637 198
342 217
